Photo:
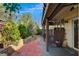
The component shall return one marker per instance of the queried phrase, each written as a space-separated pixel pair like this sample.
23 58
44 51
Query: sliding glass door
76 33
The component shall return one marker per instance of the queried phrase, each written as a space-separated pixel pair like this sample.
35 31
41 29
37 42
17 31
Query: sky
35 9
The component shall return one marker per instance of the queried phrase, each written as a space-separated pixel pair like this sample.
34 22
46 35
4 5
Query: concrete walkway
59 51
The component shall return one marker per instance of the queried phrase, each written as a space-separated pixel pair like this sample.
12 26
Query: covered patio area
60 26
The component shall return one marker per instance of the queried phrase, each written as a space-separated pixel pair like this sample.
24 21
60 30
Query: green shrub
29 32
24 31
11 32
38 31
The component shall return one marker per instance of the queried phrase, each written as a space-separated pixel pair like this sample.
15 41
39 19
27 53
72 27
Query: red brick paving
32 48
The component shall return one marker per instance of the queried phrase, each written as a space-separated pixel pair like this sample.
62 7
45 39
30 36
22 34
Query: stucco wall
69 27
69 33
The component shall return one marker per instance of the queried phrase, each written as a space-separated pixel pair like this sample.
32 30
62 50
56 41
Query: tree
26 19
2 13
11 7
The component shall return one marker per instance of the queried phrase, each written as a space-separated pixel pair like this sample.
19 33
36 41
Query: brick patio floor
34 47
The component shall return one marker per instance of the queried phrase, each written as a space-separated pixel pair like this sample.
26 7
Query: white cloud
37 7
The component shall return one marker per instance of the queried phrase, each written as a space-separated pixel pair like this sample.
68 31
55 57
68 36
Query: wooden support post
43 33
47 33
78 30
78 37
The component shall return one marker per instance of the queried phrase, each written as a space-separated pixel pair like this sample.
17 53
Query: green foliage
11 7
25 19
29 33
2 17
38 31
11 32
24 31
27 27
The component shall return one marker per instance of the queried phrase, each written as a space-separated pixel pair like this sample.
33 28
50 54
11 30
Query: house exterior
62 15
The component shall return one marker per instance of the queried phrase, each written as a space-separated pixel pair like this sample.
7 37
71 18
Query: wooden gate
59 35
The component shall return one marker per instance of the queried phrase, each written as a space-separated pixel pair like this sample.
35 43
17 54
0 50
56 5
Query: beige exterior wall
69 34
69 27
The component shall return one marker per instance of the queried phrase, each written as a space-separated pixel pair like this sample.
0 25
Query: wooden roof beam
59 8
56 10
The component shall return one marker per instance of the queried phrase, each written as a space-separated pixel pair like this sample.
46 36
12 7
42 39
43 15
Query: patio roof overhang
59 11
